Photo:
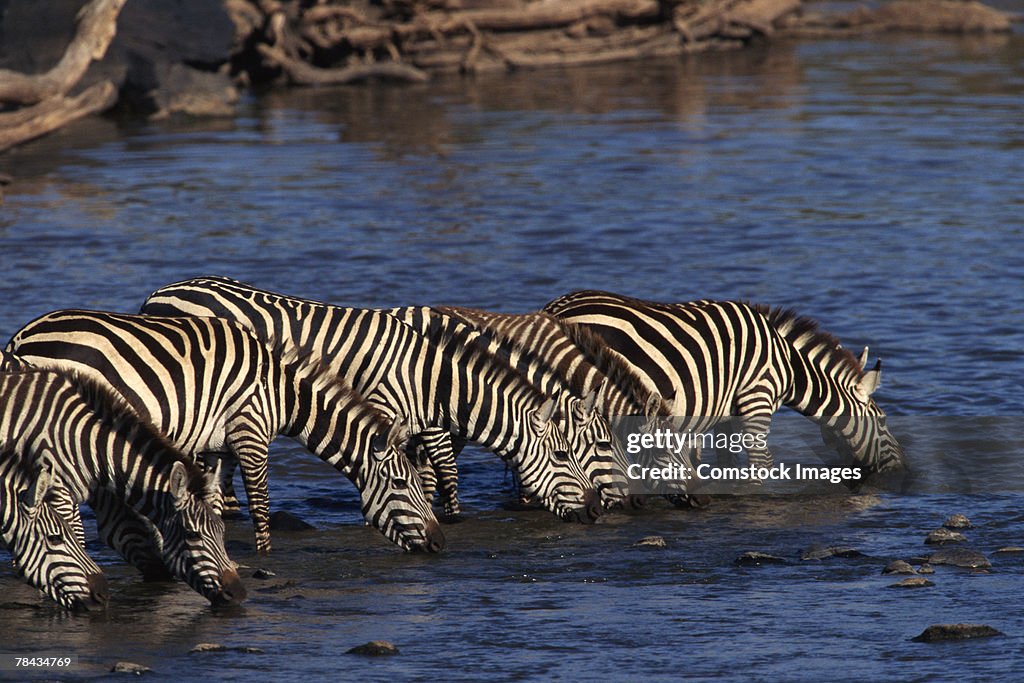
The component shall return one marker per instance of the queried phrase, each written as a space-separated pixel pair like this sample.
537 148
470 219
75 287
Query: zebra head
548 471
46 552
599 453
862 432
191 537
392 497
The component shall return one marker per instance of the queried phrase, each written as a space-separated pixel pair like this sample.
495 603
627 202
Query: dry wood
301 73
97 24
32 122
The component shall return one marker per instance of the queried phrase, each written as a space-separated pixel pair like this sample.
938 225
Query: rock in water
898 567
375 648
286 521
1010 550
957 522
939 632
756 559
209 647
912 582
926 569
943 535
263 574
817 552
130 668
651 542
960 557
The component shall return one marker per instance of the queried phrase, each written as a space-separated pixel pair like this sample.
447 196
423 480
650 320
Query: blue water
874 184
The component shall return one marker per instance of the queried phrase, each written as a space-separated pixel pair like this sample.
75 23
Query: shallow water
873 184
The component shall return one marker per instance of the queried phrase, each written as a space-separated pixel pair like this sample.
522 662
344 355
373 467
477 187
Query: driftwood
932 16
49 105
301 73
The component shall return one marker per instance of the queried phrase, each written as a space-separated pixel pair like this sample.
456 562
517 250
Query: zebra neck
816 384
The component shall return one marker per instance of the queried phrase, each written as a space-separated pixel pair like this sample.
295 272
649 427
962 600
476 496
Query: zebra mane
494 325
805 334
322 376
114 410
597 351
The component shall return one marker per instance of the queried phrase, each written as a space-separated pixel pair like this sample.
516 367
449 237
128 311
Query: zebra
212 386
43 547
91 439
534 345
724 358
434 379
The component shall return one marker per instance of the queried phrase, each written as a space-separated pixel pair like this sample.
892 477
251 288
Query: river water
874 184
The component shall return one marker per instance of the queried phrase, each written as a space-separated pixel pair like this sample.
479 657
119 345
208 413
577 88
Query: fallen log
32 122
96 26
301 73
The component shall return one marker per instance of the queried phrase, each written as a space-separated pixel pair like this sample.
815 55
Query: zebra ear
590 401
179 481
653 405
33 497
543 415
864 358
869 381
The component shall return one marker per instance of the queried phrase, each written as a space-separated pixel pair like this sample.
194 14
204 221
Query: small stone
960 557
939 632
1010 550
943 536
926 569
286 521
263 574
957 522
209 647
130 668
912 582
818 552
375 648
898 567
651 542
756 559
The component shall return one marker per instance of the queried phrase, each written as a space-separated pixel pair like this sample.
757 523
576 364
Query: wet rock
926 569
209 647
286 521
818 552
957 522
940 632
943 536
263 574
960 557
913 582
217 647
1010 550
375 648
898 567
130 668
651 542
756 559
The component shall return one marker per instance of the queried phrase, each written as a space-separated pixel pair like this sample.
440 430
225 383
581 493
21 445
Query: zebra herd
145 417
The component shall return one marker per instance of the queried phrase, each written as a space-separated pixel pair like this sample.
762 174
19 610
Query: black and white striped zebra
43 546
212 386
433 379
91 439
721 358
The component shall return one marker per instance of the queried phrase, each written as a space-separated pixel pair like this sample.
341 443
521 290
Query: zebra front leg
133 537
252 460
755 408
439 457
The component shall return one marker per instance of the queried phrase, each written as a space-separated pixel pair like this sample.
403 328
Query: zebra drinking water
433 379
723 358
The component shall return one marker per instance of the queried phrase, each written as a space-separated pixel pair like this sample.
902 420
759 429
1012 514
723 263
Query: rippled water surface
874 184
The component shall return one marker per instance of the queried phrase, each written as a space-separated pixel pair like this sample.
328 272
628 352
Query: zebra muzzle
99 590
232 591
591 510
434 538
